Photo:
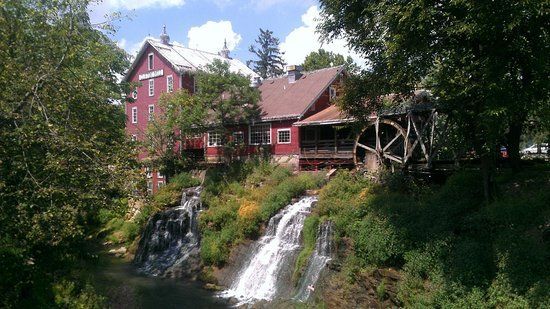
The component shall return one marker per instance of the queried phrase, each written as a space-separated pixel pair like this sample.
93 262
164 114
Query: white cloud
303 40
210 36
139 4
121 43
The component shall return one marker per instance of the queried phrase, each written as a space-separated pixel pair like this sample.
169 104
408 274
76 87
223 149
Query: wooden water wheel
383 141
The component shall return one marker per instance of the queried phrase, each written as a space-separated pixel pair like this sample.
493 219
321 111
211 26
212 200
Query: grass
453 249
309 233
240 199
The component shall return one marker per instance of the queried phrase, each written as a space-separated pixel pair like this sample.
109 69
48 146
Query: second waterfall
274 254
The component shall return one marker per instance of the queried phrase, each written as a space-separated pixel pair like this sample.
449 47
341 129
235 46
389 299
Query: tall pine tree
270 62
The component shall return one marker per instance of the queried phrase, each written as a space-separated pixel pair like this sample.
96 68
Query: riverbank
122 286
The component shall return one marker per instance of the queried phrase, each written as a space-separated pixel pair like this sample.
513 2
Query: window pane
260 134
283 136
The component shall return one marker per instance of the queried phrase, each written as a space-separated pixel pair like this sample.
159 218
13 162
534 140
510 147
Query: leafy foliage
240 200
325 59
224 99
269 61
451 250
63 151
485 63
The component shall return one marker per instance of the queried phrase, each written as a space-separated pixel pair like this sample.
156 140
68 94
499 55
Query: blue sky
204 24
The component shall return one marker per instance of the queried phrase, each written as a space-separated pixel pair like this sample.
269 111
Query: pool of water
124 287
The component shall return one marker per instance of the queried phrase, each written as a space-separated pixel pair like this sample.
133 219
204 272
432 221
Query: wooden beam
366 147
393 140
376 128
392 157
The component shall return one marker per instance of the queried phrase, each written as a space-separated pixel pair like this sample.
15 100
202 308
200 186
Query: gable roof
183 59
283 100
330 115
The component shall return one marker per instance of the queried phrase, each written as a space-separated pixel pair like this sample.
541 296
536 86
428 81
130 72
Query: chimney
256 82
294 73
164 37
225 51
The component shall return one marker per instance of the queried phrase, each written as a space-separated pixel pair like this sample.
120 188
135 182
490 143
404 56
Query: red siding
144 100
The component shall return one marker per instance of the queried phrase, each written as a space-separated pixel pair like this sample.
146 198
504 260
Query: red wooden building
161 66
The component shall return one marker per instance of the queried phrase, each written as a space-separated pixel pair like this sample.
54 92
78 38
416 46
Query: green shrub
309 233
375 241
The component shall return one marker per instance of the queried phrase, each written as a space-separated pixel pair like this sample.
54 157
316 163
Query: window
283 136
151 87
214 139
332 93
260 134
160 184
134 114
134 94
149 187
159 175
149 173
238 137
150 61
134 137
169 83
151 112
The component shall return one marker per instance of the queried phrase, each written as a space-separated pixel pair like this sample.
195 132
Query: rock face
169 245
317 262
364 293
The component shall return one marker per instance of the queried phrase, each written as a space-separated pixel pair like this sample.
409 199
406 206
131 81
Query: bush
238 202
311 225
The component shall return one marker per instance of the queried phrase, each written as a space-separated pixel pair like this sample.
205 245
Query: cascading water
259 280
317 261
171 238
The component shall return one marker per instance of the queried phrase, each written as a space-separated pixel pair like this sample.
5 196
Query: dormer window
150 61
332 93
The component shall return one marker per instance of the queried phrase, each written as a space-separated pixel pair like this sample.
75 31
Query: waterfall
317 261
171 238
259 280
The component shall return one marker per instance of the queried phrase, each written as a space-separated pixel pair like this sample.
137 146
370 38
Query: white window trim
208 140
134 137
150 61
168 83
160 184
134 114
234 136
135 93
289 136
151 110
151 87
159 175
250 134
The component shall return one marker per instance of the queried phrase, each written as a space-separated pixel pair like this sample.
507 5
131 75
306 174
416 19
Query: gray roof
185 59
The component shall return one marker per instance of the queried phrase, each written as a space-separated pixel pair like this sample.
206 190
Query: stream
125 287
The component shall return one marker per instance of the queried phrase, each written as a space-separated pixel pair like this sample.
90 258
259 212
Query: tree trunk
513 138
487 171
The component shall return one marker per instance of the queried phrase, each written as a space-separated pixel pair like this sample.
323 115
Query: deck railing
327 148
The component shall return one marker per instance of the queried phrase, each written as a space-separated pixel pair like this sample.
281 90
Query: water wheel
381 142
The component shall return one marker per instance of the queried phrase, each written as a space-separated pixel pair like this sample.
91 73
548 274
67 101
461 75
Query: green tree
325 59
486 63
63 150
224 100
269 61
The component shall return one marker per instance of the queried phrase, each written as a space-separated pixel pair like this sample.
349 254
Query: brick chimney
294 73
